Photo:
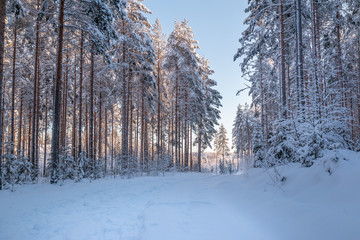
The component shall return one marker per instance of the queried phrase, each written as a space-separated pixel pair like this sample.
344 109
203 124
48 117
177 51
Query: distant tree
221 146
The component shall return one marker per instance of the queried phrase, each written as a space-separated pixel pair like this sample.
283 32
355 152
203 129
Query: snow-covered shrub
67 167
259 148
283 145
164 163
311 142
84 167
222 168
230 167
99 168
16 170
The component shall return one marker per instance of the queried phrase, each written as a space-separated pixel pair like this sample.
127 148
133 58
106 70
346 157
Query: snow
310 204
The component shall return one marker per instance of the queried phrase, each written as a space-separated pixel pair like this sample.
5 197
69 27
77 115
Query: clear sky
217 26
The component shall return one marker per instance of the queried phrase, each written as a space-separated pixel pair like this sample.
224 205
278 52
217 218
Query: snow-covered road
311 205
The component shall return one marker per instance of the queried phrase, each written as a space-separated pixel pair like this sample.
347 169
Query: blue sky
217 26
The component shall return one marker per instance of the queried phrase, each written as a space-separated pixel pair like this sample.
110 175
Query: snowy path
140 208
188 206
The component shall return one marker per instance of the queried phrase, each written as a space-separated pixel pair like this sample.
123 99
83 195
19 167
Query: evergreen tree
221 146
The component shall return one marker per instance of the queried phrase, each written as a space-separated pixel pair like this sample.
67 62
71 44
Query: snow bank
312 203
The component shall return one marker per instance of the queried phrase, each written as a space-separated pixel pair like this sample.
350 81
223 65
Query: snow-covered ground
310 204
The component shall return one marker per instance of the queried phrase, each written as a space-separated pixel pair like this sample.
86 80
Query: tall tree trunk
95 134
130 114
146 142
81 90
20 125
282 62
142 134
172 136
23 140
2 41
12 134
300 59
124 107
152 140
339 68
112 141
261 93
191 152
186 135
358 87
56 111
74 115
177 160
37 118
35 161
288 90
158 147
137 133
65 107
2 121
100 121
45 129
106 139
199 145
91 112
29 138
315 58
87 129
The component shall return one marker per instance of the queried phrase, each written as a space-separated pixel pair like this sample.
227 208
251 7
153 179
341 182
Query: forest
115 126
91 88
302 61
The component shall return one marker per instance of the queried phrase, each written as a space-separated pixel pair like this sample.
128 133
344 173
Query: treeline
302 59
90 88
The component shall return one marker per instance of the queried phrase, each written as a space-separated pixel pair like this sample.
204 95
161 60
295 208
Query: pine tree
221 146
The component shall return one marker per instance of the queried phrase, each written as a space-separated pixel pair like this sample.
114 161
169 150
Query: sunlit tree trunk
56 111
